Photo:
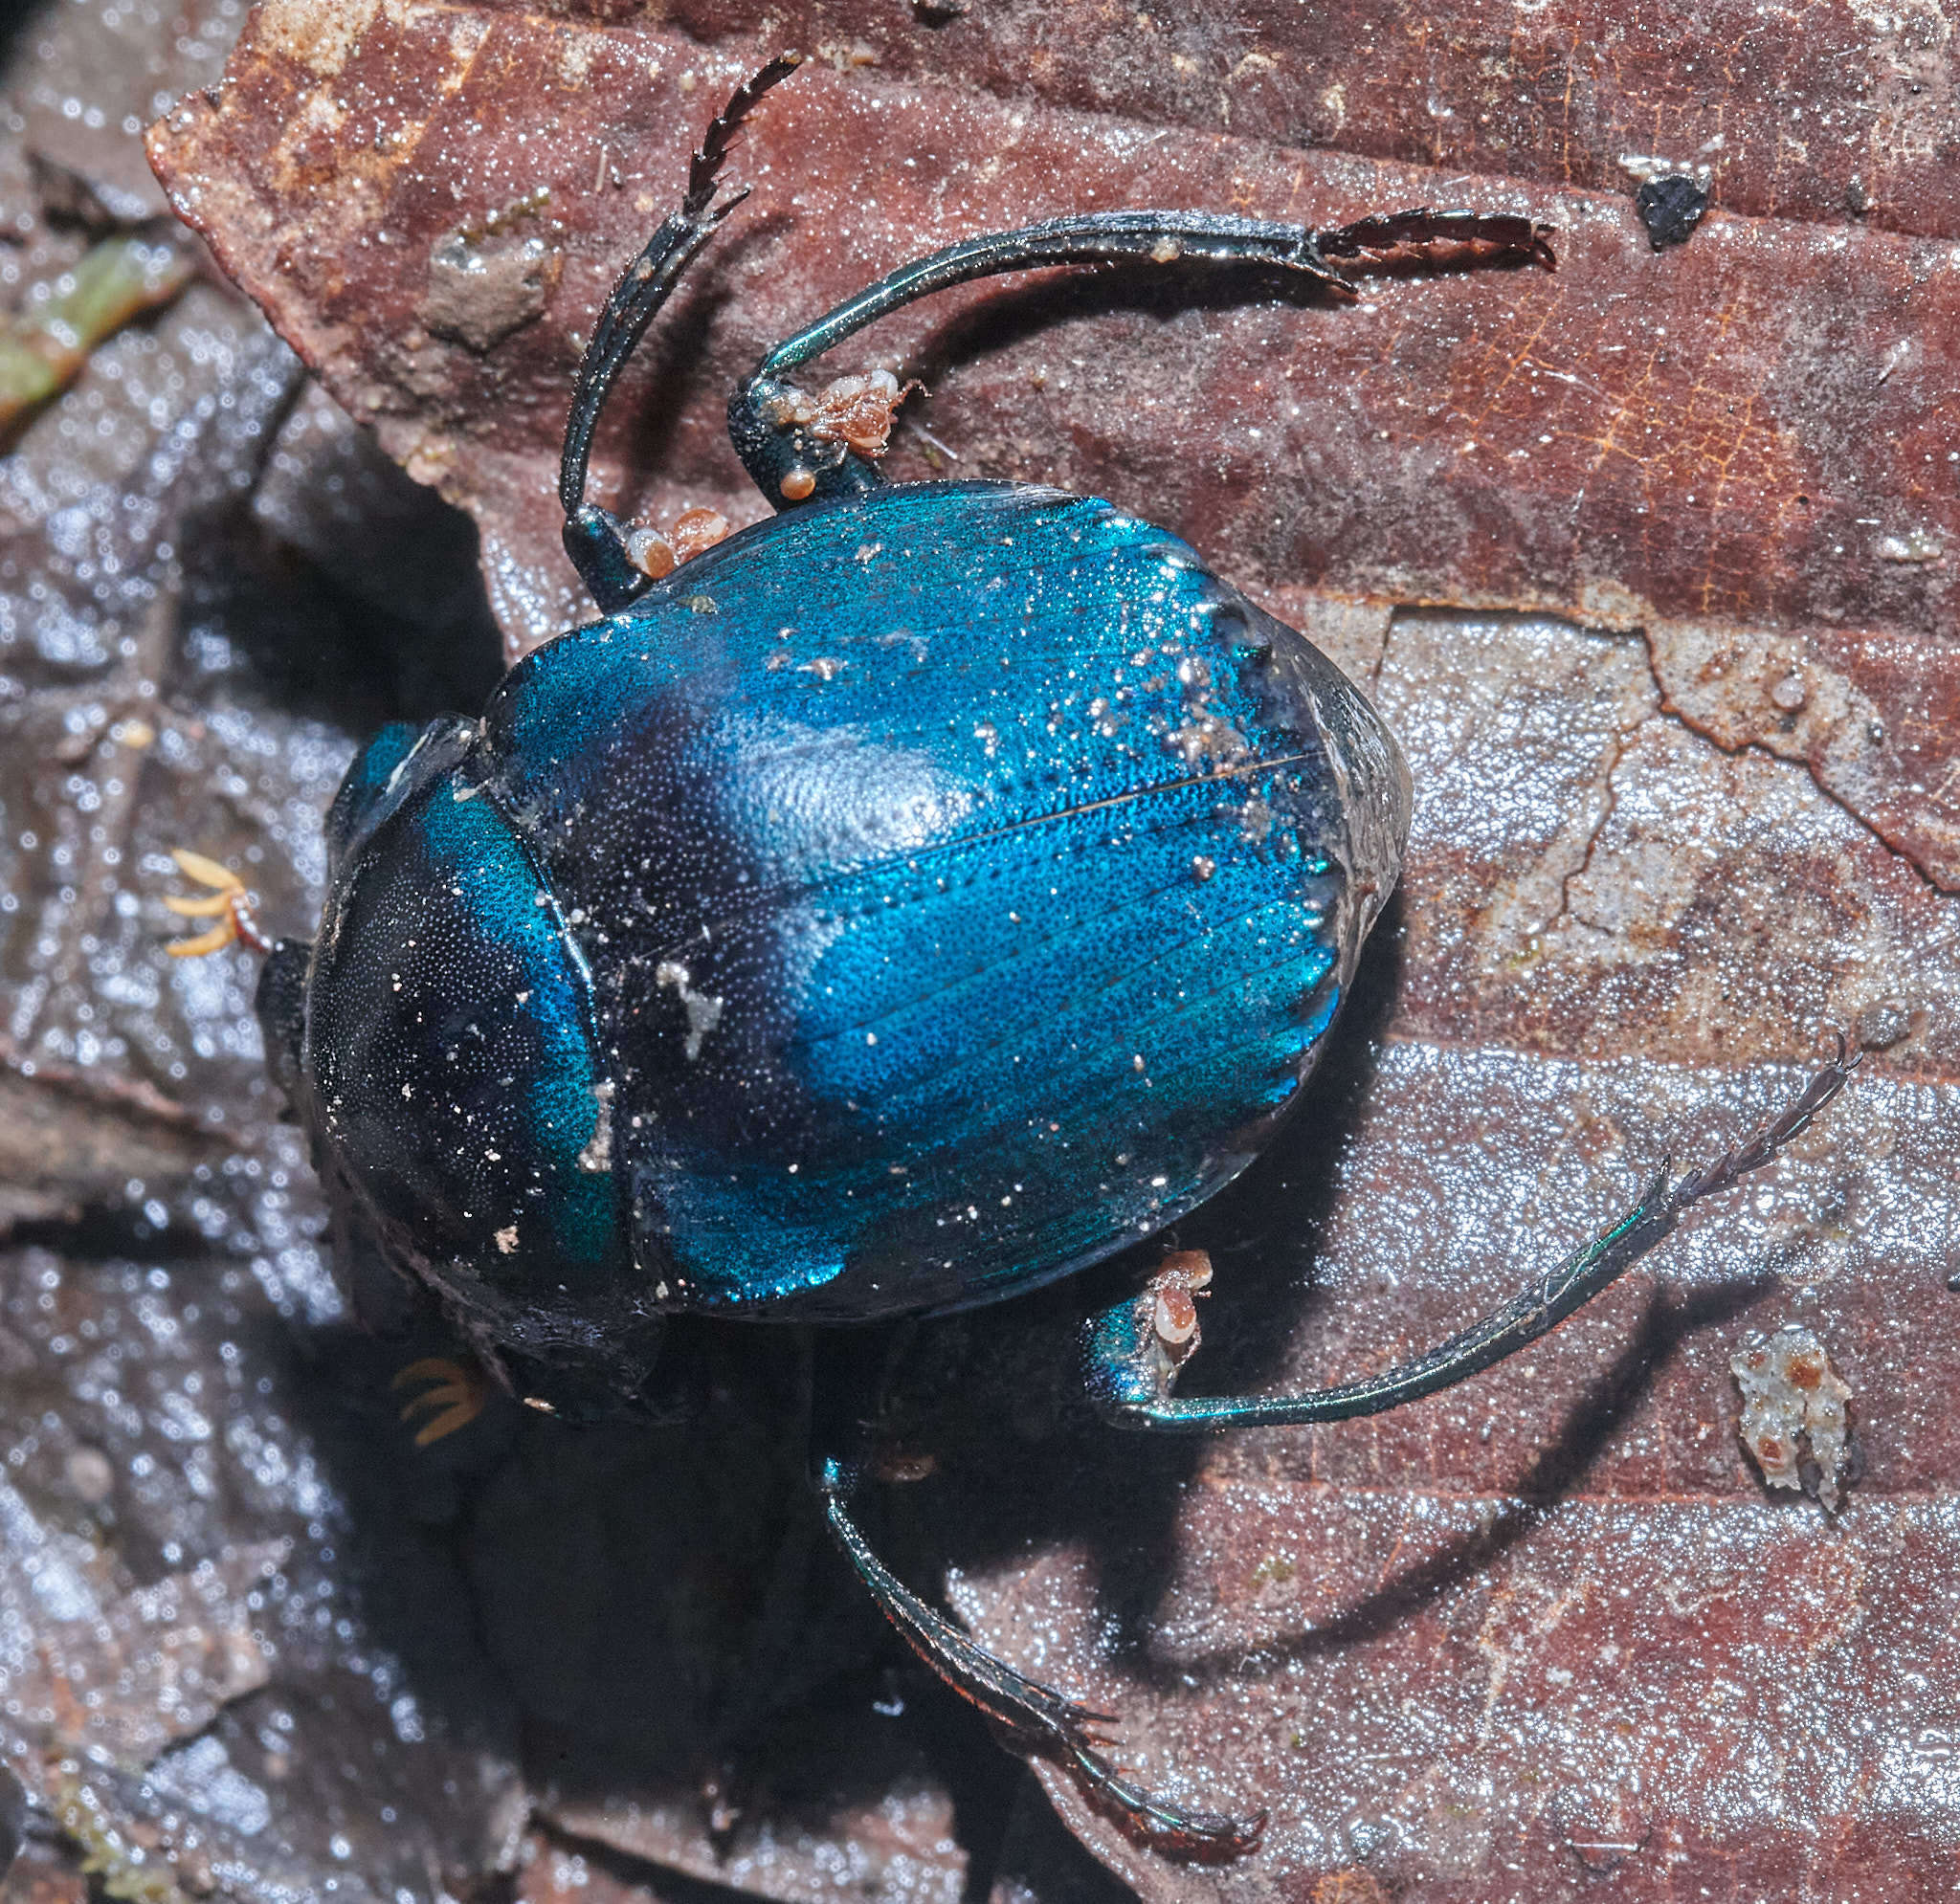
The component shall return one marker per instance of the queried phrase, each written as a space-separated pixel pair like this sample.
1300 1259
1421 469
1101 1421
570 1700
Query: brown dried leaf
1550 1626
1735 446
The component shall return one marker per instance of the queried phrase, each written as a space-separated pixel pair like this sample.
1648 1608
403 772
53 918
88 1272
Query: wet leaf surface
251 1642
1735 446
1545 1634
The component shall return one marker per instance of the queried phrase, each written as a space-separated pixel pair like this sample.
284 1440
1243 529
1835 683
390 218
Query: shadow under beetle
913 899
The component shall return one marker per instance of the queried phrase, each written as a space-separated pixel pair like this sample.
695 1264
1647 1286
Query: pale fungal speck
703 1011
597 1155
1794 1420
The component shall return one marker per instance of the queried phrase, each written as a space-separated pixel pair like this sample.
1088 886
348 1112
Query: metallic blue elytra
910 901
916 898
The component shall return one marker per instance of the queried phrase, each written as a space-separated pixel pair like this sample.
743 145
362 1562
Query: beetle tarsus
1190 1834
1129 1370
1481 236
1035 1716
703 167
453 1399
594 538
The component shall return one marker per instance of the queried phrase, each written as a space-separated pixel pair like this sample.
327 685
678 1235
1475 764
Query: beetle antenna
594 538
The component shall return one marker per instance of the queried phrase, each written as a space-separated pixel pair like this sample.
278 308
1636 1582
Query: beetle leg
602 547
1423 232
229 904
1035 1716
1131 1363
791 462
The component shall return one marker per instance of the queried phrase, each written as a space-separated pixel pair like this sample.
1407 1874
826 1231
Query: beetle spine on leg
617 563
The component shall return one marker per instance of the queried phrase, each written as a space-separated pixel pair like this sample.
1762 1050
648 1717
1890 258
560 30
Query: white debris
1793 1410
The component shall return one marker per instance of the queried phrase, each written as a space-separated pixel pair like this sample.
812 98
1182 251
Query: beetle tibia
1130 1366
1035 1716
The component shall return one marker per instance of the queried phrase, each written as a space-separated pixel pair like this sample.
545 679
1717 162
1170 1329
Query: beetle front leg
1134 1350
616 562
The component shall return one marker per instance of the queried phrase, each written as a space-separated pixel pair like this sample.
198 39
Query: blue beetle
907 902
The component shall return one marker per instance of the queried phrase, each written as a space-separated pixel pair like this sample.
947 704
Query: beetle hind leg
1133 1350
1035 1716
776 428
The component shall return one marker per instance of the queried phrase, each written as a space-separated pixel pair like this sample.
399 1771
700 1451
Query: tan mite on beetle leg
656 555
856 412
1171 1297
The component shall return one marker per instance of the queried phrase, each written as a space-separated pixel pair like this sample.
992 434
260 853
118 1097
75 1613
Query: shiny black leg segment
594 537
852 1370
761 417
1035 1718
768 420
1130 1368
